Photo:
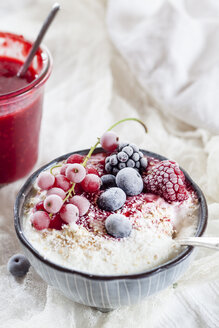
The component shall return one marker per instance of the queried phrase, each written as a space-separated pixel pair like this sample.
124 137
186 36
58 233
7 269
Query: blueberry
108 167
18 265
144 162
107 159
108 181
122 145
135 157
134 147
122 156
112 199
129 180
128 150
130 163
118 226
113 160
141 154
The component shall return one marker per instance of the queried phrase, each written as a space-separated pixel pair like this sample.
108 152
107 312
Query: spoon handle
38 40
209 242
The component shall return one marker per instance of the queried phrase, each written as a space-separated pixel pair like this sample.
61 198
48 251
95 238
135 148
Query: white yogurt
150 244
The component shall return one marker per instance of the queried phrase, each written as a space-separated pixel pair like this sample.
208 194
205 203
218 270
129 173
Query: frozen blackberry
127 155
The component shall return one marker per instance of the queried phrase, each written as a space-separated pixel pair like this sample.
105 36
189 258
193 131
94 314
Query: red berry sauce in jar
21 102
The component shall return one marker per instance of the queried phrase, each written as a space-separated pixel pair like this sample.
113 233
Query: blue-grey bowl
102 291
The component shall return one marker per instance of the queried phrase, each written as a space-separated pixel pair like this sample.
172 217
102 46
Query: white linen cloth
172 48
91 87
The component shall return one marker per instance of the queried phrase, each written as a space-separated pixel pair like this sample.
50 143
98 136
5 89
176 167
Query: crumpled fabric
91 87
172 48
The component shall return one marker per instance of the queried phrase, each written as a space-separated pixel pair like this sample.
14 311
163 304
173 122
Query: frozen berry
108 181
115 170
135 157
122 144
69 213
127 155
18 265
130 181
63 169
45 180
75 158
91 170
137 164
56 222
134 147
130 163
91 183
109 141
118 226
143 162
113 160
128 150
82 204
108 167
121 166
62 182
122 156
75 172
167 180
56 191
53 203
40 220
112 199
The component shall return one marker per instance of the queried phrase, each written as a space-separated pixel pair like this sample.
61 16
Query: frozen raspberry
56 222
75 158
75 172
167 180
45 180
82 204
40 220
69 213
62 182
56 191
109 141
91 183
53 203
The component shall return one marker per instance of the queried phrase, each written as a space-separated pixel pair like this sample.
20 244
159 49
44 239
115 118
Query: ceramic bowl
102 291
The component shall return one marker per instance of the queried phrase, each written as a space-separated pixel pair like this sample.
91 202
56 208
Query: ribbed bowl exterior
106 292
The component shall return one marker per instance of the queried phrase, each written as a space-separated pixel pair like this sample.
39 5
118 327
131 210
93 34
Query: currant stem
129 119
58 165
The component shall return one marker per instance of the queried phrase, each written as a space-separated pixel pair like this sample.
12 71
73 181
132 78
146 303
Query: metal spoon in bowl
209 242
35 46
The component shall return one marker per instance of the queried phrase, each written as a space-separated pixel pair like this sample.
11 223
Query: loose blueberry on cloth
18 265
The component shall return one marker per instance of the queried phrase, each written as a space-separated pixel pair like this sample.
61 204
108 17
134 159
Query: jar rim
44 74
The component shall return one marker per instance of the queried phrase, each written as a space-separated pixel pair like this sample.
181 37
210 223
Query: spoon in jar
35 46
209 242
